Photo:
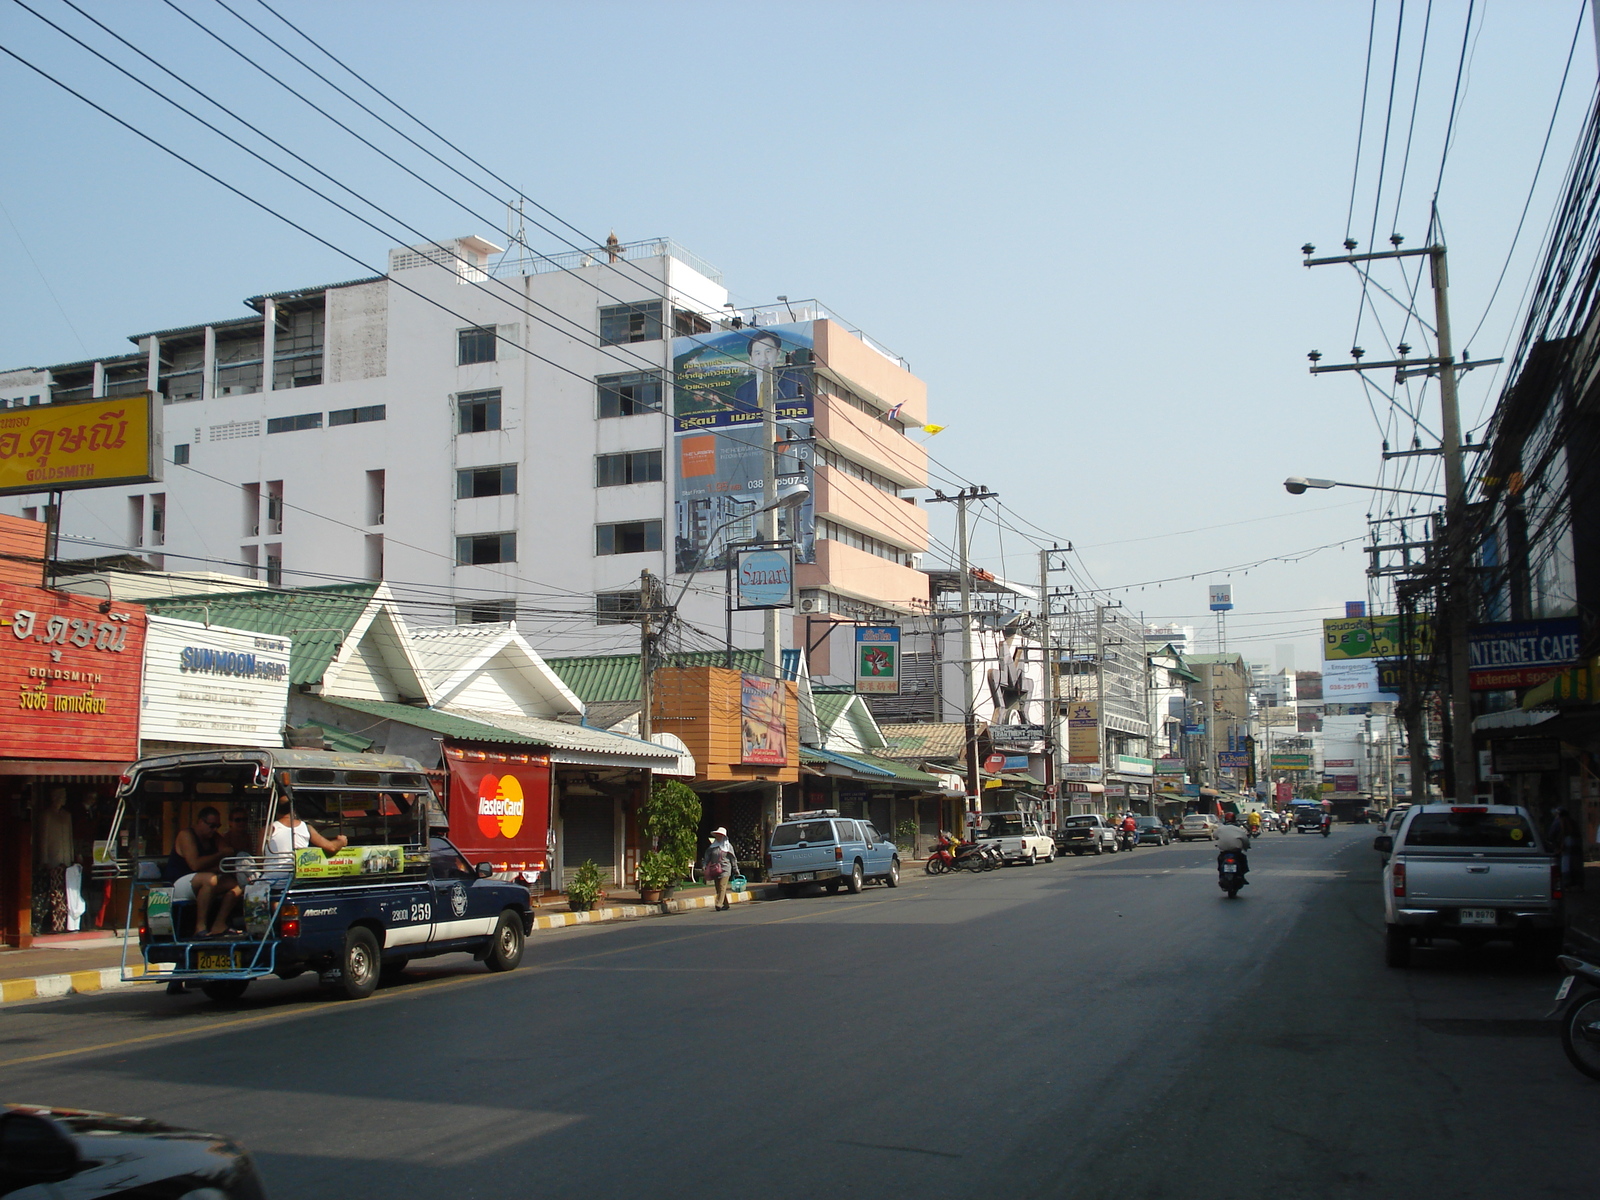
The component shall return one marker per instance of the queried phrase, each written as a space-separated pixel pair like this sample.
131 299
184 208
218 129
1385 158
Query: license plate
1566 986
802 876
214 960
1228 868
1477 916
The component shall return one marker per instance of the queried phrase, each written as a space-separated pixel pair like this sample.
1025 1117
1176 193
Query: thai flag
894 412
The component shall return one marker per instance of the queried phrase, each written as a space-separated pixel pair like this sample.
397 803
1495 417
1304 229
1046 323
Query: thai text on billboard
94 443
1374 637
1516 654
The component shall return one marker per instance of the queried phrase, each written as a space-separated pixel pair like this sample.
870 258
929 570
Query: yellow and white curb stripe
45 987
632 912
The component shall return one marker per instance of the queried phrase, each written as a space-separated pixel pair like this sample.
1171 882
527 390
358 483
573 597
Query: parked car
1391 825
822 847
1019 838
1198 827
1086 833
1473 874
51 1152
1152 832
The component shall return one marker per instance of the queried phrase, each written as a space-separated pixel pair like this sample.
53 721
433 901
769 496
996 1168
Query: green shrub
587 883
905 835
671 819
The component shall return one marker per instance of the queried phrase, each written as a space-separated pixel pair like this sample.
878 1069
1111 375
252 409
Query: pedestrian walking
719 864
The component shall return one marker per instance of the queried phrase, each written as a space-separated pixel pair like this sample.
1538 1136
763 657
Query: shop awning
839 765
1072 785
1018 779
1571 688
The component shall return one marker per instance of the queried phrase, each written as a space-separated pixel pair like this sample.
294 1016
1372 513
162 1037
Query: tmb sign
1517 654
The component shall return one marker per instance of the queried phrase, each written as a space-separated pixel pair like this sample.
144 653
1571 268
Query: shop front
72 665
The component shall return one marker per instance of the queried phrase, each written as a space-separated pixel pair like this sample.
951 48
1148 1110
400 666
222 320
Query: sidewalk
94 964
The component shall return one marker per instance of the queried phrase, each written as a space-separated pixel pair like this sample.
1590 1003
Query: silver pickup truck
1019 838
1469 873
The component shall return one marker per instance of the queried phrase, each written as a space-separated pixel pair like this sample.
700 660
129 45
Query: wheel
1396 946
1233 891
358 965
855 883
993 863
892 879
1099 847
1580 1035
934 866
225 991
390 970
1051 856
1033 858
505 951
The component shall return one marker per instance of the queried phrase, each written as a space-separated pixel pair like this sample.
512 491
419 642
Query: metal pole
771 643
1051 667
647 601
1464 767
968 696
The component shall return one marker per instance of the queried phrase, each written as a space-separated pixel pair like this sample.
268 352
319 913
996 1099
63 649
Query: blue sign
1016 762
1194 729
1232 760
765 579
1517 654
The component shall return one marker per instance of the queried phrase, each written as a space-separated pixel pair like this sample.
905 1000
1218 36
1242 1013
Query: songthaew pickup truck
393 890
1470 874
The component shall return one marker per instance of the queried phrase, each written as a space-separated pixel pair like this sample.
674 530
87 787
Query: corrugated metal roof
470 725
830 706
614 678
256 301
317 619
943 739
857 765
903 771
448 724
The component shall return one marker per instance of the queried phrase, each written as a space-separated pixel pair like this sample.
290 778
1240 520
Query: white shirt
286 839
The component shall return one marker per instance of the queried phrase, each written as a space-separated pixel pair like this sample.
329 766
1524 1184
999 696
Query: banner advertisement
1373 637
1081 772
1169 766
69 670
499 808
1518 654
1083 731
1232 760
765 579
1116 791
312 863
1354 682
878 659
93 443
764 735
1291 762
1282 792
212 685
717 433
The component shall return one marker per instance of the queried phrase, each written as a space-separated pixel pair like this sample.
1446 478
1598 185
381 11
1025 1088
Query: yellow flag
932 428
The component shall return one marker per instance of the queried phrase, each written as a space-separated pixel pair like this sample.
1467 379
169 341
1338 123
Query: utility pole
764 353
1052 671
1456 602
647 608
969 701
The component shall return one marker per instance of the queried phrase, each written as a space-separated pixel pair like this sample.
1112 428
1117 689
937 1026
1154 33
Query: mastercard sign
500 806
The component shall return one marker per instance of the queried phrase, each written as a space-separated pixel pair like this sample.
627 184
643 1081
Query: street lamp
1296 485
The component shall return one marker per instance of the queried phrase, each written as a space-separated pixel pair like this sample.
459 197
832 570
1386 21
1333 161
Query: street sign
766 579
1016 734
878 659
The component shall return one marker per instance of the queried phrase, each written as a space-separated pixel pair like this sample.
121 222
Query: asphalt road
1098 1027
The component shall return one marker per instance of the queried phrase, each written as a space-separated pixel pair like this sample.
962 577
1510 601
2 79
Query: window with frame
486 612
623 323
475 345
486 549
629 395
618 608
290 424
636 466
627 537
180 454
358 416
478 412
474 482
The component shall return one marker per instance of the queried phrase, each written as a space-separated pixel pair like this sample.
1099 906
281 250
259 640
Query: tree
671 819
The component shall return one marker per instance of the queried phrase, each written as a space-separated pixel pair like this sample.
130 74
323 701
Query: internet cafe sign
1516 654
95 443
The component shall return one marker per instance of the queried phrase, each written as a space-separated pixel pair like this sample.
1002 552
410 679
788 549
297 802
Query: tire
934 866
1051 857
1580 1034
1033 858
855 883
358 965
1233 891
1099 847
892 879
505 951
225 991
1396 946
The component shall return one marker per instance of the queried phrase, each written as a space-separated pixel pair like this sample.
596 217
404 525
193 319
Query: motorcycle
1230 873
1127 839
1327 828
1580 1015
949 856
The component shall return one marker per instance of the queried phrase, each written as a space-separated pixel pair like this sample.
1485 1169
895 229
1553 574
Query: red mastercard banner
500 807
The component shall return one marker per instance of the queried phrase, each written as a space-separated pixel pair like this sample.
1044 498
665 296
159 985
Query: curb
45 987
633 912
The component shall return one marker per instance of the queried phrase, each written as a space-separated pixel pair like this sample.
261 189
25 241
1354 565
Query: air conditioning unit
810 606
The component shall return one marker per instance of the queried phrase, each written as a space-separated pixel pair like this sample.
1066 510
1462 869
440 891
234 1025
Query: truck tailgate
1483 879
803 858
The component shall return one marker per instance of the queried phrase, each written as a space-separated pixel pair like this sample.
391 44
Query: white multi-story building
498 436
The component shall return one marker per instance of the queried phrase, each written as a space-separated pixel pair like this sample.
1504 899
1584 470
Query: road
1092 1027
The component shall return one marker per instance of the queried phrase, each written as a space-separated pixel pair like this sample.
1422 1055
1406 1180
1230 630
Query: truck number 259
419 912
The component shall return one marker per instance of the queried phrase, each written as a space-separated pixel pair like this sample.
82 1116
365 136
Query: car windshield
1079 822
1004 827
802 831
1472 831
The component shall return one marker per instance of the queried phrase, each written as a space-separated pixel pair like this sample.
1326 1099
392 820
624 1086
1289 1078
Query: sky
1078 222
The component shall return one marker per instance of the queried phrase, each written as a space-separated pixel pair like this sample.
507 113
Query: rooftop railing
520 260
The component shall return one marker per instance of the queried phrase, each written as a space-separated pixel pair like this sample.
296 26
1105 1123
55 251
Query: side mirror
485 870
33 1150
1383 843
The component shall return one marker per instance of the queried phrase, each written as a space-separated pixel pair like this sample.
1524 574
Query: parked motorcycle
942 858
949 855
1230 872
1578 1002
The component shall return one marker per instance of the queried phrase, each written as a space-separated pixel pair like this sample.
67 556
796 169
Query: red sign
500 807
70 668
995 763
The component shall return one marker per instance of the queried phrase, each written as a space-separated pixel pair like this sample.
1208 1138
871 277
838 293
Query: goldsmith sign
94 443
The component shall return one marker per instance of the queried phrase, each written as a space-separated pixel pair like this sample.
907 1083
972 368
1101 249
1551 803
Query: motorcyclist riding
1231 838
1254 823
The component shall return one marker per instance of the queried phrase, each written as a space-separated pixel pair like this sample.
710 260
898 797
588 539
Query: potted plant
656 873
670 818
585 887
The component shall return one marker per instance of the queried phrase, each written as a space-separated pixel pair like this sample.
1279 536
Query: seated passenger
290 834
240 838
192 867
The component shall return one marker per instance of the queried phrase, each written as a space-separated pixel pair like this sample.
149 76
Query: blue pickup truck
823 847
397 890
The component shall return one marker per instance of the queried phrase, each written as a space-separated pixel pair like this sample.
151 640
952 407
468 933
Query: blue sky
1079 222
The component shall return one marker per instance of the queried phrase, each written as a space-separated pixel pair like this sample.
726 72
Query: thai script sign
1515 654
1291 762
1372 637
878 659
94 443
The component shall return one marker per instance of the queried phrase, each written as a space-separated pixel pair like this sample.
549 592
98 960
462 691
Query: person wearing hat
719 864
